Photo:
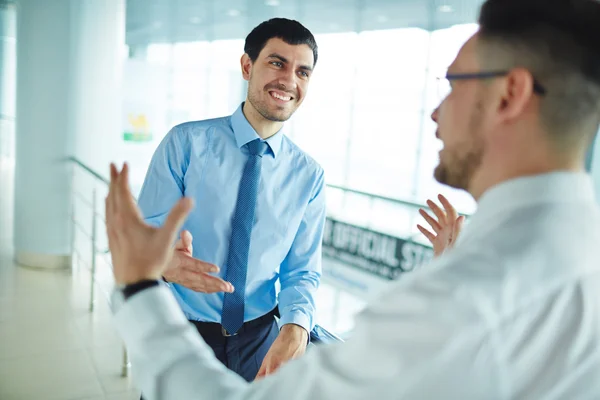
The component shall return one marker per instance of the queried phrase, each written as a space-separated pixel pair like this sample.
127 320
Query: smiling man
260 214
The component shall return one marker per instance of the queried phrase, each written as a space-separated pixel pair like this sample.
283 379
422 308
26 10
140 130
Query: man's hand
446 227
138 250
291 343
191 272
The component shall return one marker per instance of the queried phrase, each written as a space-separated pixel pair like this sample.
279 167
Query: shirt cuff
146 312
298 318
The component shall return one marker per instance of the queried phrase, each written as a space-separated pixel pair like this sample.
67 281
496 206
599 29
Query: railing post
372 211
126 364
73 218
93 273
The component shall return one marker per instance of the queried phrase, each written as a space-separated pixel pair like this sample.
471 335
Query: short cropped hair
558 42
290 31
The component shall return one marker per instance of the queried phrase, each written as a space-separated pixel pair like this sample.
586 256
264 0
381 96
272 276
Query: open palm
446 226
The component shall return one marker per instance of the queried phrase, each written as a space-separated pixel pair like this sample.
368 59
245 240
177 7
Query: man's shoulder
202 126
301 158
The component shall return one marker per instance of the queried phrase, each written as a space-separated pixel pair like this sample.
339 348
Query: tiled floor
51 346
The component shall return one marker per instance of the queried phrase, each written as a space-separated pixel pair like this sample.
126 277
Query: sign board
138 129
373 252
146 88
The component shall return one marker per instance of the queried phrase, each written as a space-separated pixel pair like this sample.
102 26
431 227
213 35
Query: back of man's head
290 31
558 41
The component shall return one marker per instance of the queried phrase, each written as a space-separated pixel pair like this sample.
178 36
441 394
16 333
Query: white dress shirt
512 312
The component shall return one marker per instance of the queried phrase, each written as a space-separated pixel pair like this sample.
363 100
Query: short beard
464 160
264 111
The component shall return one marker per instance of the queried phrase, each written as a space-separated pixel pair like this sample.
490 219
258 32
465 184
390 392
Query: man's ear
246 64
517 93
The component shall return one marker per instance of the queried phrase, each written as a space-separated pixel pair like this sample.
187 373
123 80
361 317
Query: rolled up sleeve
300 272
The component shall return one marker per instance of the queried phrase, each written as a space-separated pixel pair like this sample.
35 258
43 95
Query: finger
116 189
197 266
110 231
113 171
202 282
111 188
430 236
274 366
450 210
439 213
127 202
107 211
262 372
186 239
176 218
112 210
109 215
431 221
458 227
179 245
211 284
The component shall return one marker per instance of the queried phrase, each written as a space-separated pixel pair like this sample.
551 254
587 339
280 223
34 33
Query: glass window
365 119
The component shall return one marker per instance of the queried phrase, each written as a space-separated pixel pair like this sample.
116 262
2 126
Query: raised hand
446 227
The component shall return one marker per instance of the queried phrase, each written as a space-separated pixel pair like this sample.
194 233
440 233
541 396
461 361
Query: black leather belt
216 330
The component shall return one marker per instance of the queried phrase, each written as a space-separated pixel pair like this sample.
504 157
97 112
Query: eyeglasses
444 87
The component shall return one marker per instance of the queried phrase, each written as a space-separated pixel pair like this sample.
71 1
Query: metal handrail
379 197
374 196
89 170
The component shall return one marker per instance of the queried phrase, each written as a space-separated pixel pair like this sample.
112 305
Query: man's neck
506 170
261 125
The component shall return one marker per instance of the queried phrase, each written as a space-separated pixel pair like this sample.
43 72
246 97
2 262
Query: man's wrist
295 331
133 288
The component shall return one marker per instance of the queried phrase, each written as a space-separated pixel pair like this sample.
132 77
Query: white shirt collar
550 188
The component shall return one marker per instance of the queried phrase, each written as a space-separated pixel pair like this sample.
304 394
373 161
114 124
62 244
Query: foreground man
512 311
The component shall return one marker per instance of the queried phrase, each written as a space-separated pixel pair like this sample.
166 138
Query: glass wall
366 118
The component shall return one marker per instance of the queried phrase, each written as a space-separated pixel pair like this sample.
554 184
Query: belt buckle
225 333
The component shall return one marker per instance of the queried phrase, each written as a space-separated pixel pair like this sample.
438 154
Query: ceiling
160 21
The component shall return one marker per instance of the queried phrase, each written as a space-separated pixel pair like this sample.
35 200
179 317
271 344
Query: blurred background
87 82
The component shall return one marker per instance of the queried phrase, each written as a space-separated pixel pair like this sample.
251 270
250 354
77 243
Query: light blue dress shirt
205 160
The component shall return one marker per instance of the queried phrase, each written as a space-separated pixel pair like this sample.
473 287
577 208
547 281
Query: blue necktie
232 317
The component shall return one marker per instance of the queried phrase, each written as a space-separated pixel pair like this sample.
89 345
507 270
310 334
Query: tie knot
257 147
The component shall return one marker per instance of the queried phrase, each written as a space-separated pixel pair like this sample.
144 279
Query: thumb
262 372
176 218
186 239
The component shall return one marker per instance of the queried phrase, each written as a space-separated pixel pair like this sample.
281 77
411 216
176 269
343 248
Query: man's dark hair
558 41
290 31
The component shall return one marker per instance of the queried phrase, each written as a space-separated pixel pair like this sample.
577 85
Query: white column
68 68
7 77
98 53
595 165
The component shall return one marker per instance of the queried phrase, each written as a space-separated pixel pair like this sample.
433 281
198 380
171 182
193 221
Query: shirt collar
551 188
245 133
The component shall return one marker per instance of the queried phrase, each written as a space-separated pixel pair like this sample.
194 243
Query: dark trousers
244 352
